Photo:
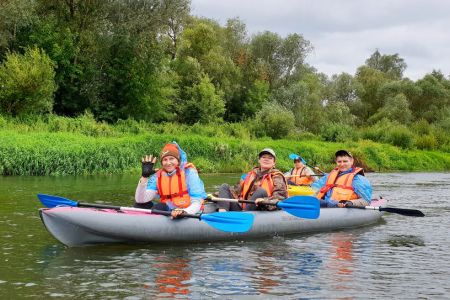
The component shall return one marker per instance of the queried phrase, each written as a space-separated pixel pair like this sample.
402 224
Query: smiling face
169 163
266 161
344 163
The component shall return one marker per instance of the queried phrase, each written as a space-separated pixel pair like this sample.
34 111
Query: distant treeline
152 61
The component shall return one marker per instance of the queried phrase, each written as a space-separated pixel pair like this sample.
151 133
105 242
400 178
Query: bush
274 120
426 142
386 131
3 122
442 139
375 132
237 130
400 136
27 83
337 133
422 127
129 126
297 135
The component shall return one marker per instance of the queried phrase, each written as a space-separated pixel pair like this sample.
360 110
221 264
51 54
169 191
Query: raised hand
148 162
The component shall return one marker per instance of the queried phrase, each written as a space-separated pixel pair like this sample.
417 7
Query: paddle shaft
239 201
168 213
316 169
150 211
304 175
300 206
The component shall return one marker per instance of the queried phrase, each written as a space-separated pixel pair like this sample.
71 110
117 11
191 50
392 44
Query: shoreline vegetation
55 145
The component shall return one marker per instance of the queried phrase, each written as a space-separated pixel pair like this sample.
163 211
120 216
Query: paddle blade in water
403 211
52 201
306 207
229 221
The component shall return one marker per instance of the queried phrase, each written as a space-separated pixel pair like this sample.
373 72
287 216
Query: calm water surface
401 257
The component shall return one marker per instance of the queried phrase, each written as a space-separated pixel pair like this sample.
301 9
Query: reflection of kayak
75 226
298 190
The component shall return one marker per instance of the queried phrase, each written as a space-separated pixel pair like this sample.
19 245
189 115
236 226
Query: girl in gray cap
262 183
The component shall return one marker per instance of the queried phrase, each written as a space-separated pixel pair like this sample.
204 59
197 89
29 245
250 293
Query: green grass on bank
43 152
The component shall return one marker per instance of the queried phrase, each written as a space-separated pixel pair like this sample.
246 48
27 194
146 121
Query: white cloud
345 33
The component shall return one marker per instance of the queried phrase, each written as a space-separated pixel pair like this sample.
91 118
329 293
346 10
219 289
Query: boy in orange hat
177 183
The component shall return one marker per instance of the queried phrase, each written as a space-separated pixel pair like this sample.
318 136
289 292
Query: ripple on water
405 241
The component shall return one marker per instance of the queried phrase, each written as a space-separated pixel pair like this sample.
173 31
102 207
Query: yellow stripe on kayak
300 190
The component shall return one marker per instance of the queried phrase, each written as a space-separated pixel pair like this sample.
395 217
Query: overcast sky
344 33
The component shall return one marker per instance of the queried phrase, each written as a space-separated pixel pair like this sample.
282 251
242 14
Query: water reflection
341 263
172 276
255 268
268 274
342 259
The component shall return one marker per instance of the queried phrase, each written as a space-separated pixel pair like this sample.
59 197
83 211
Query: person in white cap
262 183
345 185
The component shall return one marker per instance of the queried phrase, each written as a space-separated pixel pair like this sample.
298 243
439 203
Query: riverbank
28 152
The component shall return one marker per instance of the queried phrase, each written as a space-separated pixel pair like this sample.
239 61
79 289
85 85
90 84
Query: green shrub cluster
58 153
338 133
53 145
27 83
419 135
273 120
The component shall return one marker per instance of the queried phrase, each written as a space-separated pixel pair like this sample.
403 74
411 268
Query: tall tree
304 99
342 88
370 80
15 15
235 41
434 98
204 104
264 49
176 16
280 57
392 65
292 54
395 109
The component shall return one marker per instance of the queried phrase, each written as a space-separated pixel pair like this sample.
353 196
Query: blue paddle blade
293 156
307 207
53 201
229 221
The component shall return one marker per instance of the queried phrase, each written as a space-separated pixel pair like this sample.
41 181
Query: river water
400 257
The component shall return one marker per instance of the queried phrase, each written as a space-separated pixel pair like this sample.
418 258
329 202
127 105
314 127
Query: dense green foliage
53 145
27 84
152 61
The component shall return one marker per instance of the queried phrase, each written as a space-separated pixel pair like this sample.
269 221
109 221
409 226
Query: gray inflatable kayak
76 226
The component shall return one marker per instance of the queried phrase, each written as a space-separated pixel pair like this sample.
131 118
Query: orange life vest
266 183
174 188
299 178
341 185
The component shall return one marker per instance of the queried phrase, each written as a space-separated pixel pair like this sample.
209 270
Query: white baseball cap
267 151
